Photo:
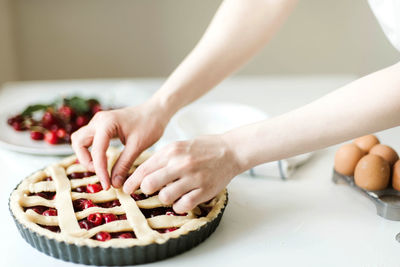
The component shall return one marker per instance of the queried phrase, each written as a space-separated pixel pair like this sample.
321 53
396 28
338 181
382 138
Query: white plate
15 97
215 118
22 142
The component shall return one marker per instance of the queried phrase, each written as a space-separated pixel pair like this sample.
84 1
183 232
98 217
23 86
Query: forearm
367 105
239 29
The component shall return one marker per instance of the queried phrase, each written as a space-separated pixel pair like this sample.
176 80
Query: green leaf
78 104
33 108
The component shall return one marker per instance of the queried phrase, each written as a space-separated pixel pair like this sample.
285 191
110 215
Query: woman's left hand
186 173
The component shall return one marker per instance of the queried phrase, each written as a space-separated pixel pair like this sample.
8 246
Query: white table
305 221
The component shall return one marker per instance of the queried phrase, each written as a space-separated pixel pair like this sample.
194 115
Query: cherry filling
110 204
96 219
142 196
204 211
50 212
82 204
150 213
167 230
105 236
43 210
46 195
90 188
37 209
80 175
55 229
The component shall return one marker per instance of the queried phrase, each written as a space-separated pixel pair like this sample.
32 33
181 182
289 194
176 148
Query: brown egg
386 152
372 173
346 158
396 176
366 142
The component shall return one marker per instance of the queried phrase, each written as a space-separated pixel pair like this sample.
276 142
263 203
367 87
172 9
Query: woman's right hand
137 127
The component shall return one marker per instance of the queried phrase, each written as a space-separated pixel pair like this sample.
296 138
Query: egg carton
387 201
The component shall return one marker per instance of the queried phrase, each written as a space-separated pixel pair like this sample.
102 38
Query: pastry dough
145 230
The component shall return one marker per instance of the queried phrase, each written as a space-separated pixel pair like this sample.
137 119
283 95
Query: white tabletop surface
305 221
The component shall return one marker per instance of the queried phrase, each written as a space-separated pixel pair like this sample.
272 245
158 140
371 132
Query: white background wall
130 38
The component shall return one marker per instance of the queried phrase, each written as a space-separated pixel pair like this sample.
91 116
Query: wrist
157 109
165 103
234 146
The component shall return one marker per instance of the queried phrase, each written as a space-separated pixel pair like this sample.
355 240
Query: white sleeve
388 14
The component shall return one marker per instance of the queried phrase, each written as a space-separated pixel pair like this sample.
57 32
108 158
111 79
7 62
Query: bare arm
239 29
364 106
190 172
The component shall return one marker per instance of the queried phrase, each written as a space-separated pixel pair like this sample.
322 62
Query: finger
101 142
81 141
158 179
155 162
124 163
189 201
175 190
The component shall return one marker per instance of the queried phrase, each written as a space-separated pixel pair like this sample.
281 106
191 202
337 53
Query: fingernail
105 187
119 180
125 189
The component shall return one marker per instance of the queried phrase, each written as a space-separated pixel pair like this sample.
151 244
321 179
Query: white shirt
388 14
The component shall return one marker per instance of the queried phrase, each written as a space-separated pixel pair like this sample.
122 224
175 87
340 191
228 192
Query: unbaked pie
63 211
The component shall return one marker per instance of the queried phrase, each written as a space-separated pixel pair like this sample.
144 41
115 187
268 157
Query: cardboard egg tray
387 201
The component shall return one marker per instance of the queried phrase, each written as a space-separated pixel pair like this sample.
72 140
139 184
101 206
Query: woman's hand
187 173
137 128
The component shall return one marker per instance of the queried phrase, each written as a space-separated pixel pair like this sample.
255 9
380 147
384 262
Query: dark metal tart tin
118 256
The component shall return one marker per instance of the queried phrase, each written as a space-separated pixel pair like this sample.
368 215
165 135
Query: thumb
124 163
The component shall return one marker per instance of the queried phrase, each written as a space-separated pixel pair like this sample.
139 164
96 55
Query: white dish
21 141
14 97
215 118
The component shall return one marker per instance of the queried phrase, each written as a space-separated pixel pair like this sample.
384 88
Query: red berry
71 127
95 218
39 209
35 135
125 235
103 236
84 224
48 119
66 112
136 197
82 204
76 175
109 217
96 108
115 203
54 128
61 133
88 174
93 188
81 189
87 204
18 126
50 212
81 121
46 195
51 138
10 121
